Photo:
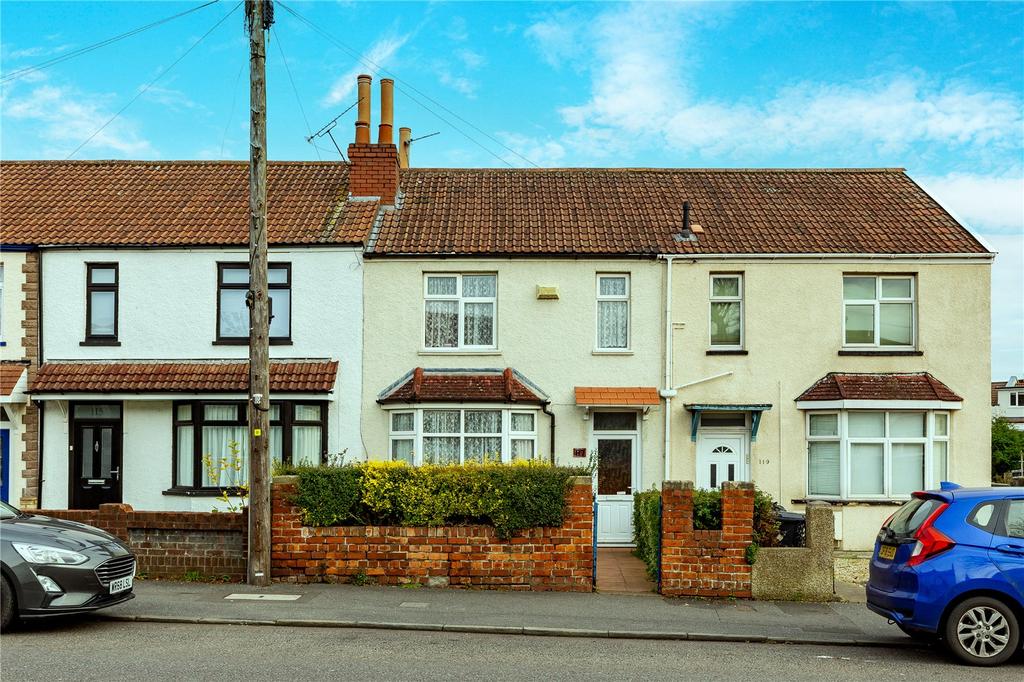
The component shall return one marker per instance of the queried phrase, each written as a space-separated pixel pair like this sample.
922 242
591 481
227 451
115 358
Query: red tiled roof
617 395
996 385
10 373
639 211
175 202
917 386
498 386
199 377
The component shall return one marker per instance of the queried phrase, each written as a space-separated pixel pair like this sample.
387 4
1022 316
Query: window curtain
276 443
613 323
823 468
441 449
217 443
186 452
306 445
478 326
479 286
442 324
402 450
522 449
725 323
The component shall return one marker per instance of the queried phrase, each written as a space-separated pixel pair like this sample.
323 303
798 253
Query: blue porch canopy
754 410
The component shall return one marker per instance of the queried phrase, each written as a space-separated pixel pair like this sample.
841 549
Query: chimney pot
363 120
387 111
404 145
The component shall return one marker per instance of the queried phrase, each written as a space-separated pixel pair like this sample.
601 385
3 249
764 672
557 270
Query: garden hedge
510 497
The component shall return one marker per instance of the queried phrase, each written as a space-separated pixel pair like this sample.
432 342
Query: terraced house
823 333
144 326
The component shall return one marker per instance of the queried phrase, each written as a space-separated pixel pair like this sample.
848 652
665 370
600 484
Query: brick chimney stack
373 168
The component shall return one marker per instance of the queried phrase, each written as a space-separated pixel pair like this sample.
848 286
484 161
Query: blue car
949 565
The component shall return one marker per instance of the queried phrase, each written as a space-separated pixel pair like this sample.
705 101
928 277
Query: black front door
96 463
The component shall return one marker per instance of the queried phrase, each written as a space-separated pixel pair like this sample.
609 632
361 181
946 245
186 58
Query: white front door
720 458
615 479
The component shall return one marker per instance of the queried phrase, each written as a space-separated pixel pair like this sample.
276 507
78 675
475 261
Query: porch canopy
139 379
755 411
13 382
640 397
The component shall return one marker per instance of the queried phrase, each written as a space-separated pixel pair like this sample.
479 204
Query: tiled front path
618 571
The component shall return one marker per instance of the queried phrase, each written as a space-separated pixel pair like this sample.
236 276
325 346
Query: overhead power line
408 86
24 71
298 100
150 84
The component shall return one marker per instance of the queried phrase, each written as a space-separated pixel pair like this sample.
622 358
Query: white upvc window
460 311
726 312
613 328
1016 397
879 311
456 435
875 454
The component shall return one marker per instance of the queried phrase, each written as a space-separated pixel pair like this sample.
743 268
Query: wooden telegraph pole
258 17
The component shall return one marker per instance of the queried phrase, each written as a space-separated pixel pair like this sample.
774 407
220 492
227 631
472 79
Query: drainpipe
545 410
668 392
40 405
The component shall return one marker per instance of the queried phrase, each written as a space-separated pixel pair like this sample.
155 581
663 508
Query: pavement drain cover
263 597
414 605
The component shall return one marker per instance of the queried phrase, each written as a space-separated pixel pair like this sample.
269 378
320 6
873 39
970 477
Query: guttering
830 256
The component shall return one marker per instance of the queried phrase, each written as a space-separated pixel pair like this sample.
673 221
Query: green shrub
509 497
766 520
647 530
707 509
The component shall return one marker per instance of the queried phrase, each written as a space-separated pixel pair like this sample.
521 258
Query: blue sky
937 88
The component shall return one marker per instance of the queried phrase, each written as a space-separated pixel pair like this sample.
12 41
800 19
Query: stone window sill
199 492
882 353
731 351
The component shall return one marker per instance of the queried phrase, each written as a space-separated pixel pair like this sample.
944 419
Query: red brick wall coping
706 563
170 544
543 559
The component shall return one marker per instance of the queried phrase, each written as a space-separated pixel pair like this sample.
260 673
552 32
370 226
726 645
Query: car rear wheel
7 607
982 631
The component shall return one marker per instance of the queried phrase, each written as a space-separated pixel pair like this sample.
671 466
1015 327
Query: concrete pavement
523 613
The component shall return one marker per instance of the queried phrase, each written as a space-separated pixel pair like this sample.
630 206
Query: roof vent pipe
686 218
363 120
404 146
387 111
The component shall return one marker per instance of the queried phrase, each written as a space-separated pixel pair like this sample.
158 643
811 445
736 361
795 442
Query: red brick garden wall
459 556
171 544
706 563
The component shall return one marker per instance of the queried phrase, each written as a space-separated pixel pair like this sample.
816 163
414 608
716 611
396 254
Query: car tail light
930 540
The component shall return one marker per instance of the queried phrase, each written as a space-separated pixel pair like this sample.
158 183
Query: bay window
612 312
214 435
459 311
875 454
879 311
444 435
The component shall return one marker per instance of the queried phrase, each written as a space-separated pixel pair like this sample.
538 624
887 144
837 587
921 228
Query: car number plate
887 552
121 584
